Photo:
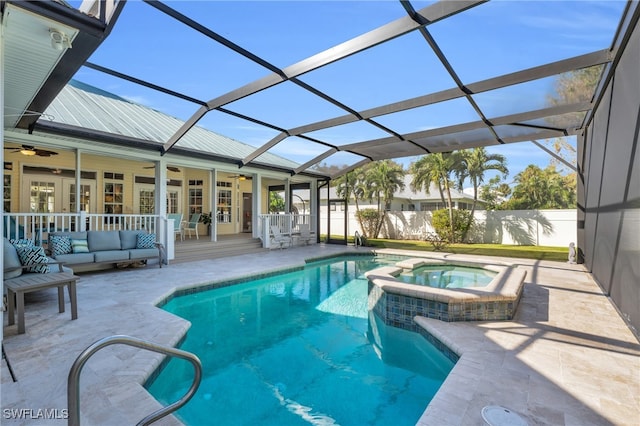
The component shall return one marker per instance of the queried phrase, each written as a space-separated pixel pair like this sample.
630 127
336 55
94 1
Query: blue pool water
448 276
300 348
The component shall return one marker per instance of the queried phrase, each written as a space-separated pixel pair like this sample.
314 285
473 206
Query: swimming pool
448 276
300 348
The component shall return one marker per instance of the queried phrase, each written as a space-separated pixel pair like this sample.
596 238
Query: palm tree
437 169
351 185
473 164
382 180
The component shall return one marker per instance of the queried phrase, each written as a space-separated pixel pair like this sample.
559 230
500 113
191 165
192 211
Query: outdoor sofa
97 249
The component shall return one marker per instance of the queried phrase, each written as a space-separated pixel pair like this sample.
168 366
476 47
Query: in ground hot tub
397 300
448 276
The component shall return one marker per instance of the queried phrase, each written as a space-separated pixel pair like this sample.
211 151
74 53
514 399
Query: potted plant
205 218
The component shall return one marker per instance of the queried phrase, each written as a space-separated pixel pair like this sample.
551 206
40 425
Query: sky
492 39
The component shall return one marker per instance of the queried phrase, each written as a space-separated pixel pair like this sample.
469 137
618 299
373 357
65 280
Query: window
113 193
42 197
195 196
412 207
147 201
429 207
172 201
223 207
114 176
7 193
85 197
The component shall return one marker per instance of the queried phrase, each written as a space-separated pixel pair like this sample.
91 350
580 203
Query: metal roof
88 107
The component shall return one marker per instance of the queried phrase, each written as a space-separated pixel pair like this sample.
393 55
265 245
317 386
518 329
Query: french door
144 201
51 194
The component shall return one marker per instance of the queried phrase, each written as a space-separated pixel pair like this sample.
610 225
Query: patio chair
305 233
13 229
177 224
278 238
192 225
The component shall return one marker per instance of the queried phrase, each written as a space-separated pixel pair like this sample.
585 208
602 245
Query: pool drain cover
495 415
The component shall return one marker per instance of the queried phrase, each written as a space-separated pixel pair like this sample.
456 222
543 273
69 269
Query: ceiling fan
170 168
31 150
240 177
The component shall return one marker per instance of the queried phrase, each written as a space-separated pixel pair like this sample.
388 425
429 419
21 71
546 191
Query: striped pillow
33 255
61 244
80 246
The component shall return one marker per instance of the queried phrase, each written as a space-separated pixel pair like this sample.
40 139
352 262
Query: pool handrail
357 239
73 384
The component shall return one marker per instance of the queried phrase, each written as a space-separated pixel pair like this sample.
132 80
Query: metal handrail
73 386
357 240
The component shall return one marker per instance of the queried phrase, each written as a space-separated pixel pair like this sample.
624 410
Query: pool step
191 250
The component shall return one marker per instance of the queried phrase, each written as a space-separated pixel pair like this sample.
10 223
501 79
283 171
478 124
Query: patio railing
37 226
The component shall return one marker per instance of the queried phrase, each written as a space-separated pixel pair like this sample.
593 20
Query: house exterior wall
609 190
18 200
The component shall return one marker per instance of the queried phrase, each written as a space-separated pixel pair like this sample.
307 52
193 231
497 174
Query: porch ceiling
449 75
44 44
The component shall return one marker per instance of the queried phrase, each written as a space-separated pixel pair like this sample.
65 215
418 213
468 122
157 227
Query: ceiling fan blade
45 153
170 168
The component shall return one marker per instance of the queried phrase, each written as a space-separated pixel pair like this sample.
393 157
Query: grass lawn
559 254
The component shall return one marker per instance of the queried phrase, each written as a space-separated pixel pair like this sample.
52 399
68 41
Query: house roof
432 195
407 194
87 107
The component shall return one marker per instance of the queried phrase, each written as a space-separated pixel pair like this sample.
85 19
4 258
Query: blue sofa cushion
60 244
129 239
33 255
111 255
146 241
11 260
75 258
143 253
103 240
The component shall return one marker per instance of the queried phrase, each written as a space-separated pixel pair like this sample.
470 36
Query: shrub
370 220
461 222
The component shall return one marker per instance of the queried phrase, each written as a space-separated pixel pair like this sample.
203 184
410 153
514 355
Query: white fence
519 227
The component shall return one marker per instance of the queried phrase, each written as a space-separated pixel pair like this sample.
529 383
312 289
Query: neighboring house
407 200
403 200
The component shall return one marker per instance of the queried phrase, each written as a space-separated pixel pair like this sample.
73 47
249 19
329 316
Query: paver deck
566 359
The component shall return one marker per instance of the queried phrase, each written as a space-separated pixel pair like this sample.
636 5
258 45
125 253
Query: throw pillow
33 255
146 241
61 244
80 246
21 242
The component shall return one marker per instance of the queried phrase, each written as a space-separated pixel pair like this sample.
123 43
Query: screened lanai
330 86
333 86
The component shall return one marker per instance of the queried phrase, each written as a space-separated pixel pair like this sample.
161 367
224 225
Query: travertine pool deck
567 358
